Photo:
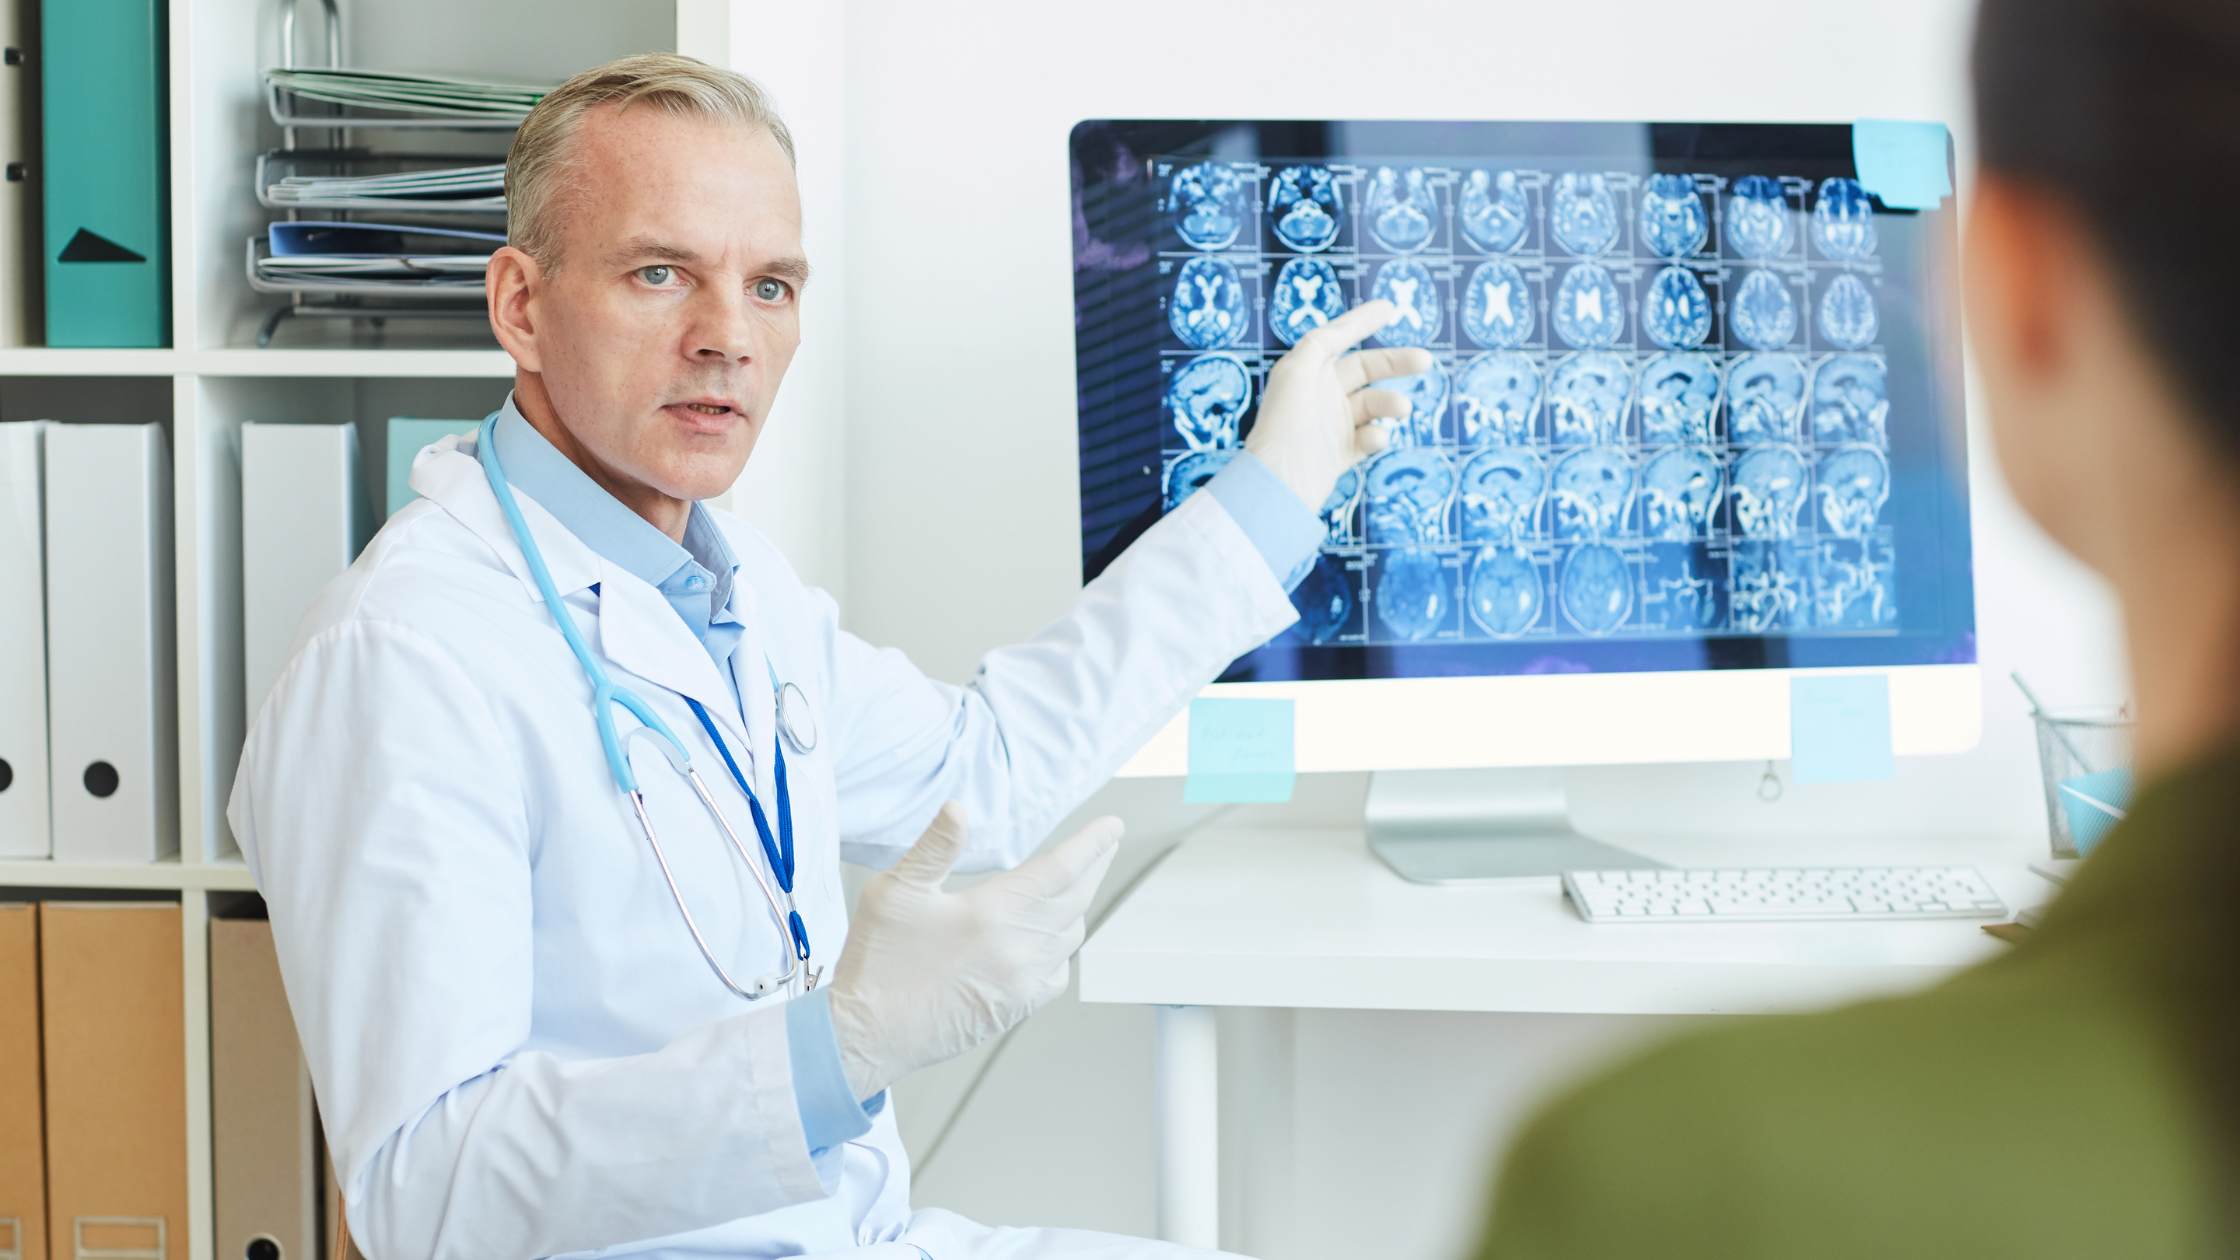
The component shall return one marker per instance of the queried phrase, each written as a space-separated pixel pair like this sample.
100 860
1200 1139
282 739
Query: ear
514 283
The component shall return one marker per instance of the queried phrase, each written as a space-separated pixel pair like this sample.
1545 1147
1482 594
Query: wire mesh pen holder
2074 743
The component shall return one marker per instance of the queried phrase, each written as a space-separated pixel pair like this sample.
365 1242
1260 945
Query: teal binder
103 89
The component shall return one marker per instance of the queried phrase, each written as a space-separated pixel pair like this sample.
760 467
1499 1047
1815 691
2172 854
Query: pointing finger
1347 330
1363 366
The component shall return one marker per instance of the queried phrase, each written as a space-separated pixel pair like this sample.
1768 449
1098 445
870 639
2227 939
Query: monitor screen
1694 401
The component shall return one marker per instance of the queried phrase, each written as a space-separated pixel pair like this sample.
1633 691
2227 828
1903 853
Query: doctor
549 803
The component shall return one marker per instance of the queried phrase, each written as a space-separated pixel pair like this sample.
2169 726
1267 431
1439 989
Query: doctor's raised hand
1319 416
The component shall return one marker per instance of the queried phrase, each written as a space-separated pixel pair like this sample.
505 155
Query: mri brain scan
1843 221
1679 493
1324 601
1207 399
1758 220
1675 312
1211 204
1769 485
1582 213
1847 314
1854 587
1587 398
1426 393
1209 310
1407 284
1763 313
1597 589
1764 392
1305 207
1407 492
1853 484
1496 398
1677 591
1590 491
1588 312
1337 510
1412 593
1403 215
1673 220
1501 493
1851 401
1306 296
1497 306
1189 474
1679 394
1504 591
1770 586
1494 212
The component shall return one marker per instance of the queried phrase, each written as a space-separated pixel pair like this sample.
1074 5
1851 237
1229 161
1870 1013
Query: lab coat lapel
449 474
640 632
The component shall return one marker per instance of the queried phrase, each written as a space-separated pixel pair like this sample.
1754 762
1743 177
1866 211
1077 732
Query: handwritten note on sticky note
1240 751
1904 163
1839 729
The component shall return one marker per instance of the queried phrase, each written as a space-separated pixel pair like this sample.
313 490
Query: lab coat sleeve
1046 722
389 825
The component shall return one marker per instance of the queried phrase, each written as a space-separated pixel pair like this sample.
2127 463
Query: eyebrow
793 267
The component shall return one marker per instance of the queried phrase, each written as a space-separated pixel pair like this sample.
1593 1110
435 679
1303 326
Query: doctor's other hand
927 974
1318 416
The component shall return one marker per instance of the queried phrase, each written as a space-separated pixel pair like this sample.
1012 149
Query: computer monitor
1694 429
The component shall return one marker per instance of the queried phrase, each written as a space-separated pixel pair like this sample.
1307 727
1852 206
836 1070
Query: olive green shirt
2046 1104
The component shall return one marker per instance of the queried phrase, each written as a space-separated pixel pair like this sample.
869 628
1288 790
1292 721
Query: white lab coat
517 1050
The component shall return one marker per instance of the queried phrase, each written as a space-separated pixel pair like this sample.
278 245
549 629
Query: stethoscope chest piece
796 721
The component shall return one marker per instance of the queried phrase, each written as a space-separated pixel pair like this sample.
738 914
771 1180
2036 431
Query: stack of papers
438 96
406 256
458 188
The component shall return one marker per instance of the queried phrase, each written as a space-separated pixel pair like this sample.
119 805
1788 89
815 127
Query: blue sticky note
2094 804
1240 751
407 438
1904 163
1839 729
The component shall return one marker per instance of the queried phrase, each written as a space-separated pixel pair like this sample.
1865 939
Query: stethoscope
793 715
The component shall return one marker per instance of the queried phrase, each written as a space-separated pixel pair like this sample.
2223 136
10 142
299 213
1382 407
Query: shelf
43 361
247 361
218 876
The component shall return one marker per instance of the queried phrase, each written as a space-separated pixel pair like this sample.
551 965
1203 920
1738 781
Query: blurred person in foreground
2079 1096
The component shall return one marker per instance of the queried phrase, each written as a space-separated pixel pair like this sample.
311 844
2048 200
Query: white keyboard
1804 892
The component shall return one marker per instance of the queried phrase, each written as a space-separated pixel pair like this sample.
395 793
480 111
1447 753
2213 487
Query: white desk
1312 919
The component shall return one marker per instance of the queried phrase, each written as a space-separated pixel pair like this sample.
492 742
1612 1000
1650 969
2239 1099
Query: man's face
662 338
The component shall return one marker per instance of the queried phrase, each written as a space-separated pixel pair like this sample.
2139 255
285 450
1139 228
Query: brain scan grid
1658 407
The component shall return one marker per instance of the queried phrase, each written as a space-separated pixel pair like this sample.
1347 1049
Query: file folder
24 822
114 1030
23 1151
111 702
304 517
20 286
103 86
263 1132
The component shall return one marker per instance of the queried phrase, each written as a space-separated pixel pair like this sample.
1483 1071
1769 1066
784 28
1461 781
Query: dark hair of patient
2128 111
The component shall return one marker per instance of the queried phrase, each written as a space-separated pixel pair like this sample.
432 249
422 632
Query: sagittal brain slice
1189 474
1497 306
1769 484
1408 491
1337 510
1764 392
1588 312
1494 211
1597 589
1504 592
1501 492
1496 398
1426 393
1851 400
1843 221
1853 484
1582 213
1209 310
1208 398
1679 493
1411 592
1676 312
1403 213
1211 204
1763 313
1758 220
1673 221
1679 393
1587 398
1306 296
1407 284
1847 314
1304 204
1590 491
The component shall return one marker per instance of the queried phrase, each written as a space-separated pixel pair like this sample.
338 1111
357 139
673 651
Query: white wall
950 421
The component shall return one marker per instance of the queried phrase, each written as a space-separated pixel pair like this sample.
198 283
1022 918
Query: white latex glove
1317 417
927 975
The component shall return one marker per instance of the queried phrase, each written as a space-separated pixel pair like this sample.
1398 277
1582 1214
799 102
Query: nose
724 329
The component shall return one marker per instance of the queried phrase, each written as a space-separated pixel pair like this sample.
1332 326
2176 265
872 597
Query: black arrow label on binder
90 247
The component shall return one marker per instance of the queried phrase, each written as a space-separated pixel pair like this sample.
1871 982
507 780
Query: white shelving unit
318 371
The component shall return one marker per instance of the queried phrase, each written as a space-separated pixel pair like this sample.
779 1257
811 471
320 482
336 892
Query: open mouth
709 409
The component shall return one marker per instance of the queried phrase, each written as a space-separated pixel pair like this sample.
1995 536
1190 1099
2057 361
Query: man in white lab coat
520 1048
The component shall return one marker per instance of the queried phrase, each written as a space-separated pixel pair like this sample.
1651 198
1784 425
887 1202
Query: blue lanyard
780 850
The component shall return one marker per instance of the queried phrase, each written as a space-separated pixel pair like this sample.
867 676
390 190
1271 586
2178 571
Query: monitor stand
1466 826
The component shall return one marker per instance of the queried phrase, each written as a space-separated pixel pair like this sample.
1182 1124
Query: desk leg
1188 1074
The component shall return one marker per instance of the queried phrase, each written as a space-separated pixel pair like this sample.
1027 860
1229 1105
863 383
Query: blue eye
770 290
655 275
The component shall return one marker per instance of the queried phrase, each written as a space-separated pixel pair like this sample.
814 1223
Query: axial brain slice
1208 310
1411 592
1324 601
1843 221
1305 297
1306 208
1675 312
1587 398
1504 592
1673 222
1501 492
1851 400
1407 284
1497 306
1679 490
1678 394
1403 214
1494 210
1582 214
1496 397
1763 394
1758 222
1209 203
1588 311
1597 589
1763 313
1769 484
1207 399
1847 314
